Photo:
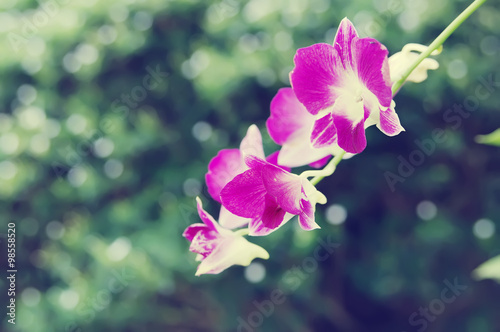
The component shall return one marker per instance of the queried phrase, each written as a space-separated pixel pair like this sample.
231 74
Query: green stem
242 232
438 41
329 168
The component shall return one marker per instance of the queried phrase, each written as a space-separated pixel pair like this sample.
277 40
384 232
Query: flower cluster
337 92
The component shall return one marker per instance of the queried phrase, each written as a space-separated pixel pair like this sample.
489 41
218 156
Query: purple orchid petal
205 216
288 116
257 227
245 194
273 159
306 217
285 187
318 68
273 214
389 122
371 63
222 169
351 136
251 145
324 132
255 162
321 163
204 242
211 264
344 37
349 117
192 230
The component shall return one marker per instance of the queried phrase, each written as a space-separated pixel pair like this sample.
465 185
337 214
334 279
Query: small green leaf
491 139
488 270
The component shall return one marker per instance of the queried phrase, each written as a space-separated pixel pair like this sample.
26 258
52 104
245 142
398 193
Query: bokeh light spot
113 168
202 131
119 249
55 230
255 272
30 296
483 229
336 214
426 210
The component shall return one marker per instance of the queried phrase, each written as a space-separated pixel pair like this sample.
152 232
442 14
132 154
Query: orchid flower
227 164
347 87
290 125
271 196
217 247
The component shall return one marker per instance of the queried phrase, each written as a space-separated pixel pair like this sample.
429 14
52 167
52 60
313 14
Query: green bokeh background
101 189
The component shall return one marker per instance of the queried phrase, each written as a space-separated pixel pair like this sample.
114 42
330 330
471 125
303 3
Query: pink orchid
227 164
347 87
290 125
219 248
271 196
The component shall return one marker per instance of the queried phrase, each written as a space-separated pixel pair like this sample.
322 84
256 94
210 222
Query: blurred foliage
100 161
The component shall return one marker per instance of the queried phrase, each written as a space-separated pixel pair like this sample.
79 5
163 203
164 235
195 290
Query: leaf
491 139
488 270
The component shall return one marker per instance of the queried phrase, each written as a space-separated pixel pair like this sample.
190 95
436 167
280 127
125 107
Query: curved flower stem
438 41
242 232
327 171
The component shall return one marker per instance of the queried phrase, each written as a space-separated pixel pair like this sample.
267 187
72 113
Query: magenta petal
370 58
204 242
257 228
245 194
285 187
254 162
317 70
273 214
222 169
343 40
306 217
205 217
324 132
273 159
351 136
389 122
288 116
192 230
320 163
